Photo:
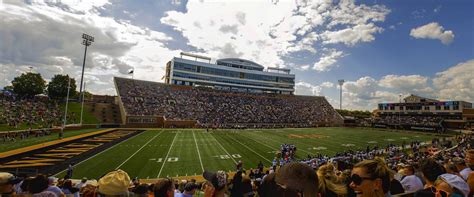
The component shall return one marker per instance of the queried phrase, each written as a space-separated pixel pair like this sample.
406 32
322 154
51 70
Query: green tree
57 87
8 88
28 85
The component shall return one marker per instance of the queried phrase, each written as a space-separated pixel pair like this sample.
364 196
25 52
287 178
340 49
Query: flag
130 72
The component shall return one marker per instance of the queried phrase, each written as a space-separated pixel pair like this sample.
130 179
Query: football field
185 152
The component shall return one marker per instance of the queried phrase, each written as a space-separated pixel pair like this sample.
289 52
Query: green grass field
6 146
87 117
185 152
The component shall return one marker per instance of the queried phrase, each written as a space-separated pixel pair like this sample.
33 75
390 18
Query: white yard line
199 154
250 149
223 148
102 152
138 150
166 158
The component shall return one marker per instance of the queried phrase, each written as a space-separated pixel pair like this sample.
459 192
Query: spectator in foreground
270 188
114 183
298 177
189 190
53 188
217 183
164 187
411 183
69 190
38 187
82 183
328 182
453 185
469 159
141 190
7 181
395 186
370 178
461 167
430 170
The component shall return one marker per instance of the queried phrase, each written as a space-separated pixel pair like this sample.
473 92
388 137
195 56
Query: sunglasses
356 179
438 192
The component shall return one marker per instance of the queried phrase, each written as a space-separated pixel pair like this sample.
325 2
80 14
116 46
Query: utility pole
341 82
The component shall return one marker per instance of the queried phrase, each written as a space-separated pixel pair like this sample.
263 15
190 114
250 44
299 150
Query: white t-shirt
411 183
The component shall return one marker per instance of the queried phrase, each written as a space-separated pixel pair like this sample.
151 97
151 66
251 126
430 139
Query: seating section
25 113
432 121
209 106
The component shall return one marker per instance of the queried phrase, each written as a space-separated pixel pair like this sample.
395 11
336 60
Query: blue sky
381 48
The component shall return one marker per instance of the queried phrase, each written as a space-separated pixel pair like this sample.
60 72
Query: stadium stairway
106 113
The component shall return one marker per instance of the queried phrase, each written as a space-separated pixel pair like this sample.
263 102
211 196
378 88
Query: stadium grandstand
419 113
154 103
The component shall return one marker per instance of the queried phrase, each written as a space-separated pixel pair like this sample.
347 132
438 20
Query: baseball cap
114 183
456 181
218 179
8 178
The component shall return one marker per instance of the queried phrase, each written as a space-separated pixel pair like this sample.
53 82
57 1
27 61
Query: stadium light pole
82 104
86 41
341 82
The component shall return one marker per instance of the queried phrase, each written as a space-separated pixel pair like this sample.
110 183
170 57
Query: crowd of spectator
214 107
13 136
409 170
431 121
37 112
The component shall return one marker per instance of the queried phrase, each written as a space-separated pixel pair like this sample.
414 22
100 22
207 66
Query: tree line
354 113
28 85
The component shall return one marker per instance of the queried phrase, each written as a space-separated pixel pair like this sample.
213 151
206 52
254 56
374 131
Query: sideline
50 143
101 152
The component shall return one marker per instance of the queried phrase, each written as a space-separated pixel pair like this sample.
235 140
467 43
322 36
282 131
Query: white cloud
327 84
456 83
302 67
433 31
352 35
405 82
328 61
304 88
47 36
283 28
366 92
